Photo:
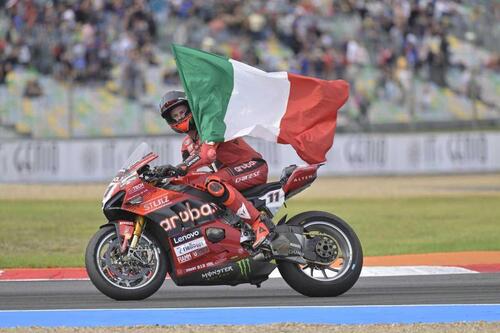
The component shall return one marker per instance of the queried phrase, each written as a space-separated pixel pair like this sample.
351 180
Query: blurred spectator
404 40
5 68
75 40
33 89
133 81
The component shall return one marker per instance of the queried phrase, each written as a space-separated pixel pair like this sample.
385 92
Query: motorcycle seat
260 190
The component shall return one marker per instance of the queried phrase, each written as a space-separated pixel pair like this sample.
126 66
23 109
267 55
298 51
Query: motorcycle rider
236 165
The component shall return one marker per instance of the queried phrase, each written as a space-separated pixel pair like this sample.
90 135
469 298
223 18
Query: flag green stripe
208 81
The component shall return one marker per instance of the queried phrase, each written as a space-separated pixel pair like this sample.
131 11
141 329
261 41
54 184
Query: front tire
123 278
333 277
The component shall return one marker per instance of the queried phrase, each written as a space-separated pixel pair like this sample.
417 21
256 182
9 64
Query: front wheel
132 276
339 252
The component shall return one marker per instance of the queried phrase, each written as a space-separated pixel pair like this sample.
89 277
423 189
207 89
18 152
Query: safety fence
95 160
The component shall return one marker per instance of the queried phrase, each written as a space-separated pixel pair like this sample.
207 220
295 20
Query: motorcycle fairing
113 208
232 273
193 250
183 215
300 178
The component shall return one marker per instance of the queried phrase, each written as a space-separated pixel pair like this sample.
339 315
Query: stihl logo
156 204
302 178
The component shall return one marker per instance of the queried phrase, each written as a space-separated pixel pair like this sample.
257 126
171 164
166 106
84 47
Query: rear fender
300 179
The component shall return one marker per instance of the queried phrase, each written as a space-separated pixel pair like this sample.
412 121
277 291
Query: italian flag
230 99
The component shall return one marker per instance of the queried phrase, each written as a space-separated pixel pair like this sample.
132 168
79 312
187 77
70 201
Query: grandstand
98 68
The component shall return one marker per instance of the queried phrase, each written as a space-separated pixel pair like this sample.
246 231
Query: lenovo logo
186 237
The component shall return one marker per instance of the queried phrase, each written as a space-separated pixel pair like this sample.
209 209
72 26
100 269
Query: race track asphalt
433 289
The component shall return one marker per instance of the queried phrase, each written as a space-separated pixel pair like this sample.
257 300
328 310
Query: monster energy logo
244 266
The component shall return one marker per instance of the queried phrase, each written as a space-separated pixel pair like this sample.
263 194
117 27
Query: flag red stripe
311 115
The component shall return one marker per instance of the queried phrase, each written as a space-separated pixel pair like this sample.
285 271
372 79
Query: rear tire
107 237
349 245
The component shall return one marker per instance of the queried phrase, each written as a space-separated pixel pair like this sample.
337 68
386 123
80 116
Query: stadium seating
44 103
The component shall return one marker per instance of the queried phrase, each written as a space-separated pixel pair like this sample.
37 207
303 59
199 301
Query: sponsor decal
191 246
243 167
88 160
137 188
217 273
366 151
186 237
188 215
156 204
303 178
199 266
295 250
192 160
244 267
184 258
135 194
243 212
168 224
33 157
247 177
193 255
466 148
200 252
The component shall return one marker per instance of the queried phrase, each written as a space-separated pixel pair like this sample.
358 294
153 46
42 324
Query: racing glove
167 171
204 157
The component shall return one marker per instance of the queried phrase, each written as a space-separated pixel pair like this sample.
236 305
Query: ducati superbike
164 225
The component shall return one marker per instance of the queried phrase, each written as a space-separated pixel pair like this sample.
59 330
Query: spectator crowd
80 41
86 40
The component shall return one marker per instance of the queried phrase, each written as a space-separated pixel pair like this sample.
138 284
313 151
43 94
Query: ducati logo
243 212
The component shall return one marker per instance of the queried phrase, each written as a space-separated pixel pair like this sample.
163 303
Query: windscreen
137 155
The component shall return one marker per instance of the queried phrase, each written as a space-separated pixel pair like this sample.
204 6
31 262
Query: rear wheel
338 252
121 276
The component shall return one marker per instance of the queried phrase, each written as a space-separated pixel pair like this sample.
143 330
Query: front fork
130 230
139 225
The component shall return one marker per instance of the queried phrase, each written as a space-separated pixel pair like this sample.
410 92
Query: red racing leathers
237 167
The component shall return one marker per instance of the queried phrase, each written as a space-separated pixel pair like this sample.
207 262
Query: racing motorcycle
159 225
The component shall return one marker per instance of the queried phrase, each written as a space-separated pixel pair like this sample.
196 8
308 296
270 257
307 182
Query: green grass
46 233
53 233
416 225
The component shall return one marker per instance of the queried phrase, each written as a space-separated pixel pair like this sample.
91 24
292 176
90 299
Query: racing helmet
169 102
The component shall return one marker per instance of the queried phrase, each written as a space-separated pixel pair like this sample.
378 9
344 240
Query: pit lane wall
95 160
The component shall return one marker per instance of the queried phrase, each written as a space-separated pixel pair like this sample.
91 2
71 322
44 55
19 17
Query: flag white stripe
259 99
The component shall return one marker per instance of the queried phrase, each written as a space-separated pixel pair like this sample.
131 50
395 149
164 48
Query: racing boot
263 229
